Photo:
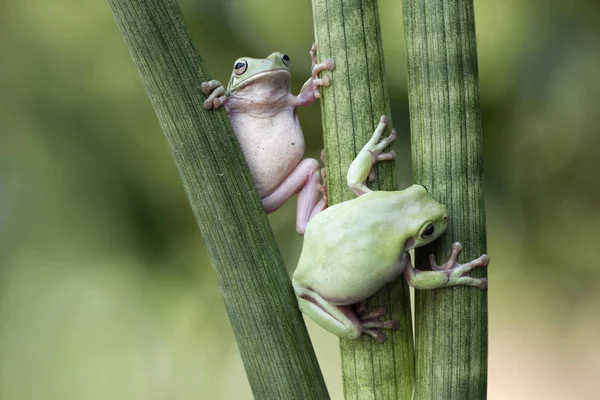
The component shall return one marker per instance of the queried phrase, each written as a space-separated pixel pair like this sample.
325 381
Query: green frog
354 248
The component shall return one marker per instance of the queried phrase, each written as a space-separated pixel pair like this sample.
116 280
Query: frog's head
267 71
427 218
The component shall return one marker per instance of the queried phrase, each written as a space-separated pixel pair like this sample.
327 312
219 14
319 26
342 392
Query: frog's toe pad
370 323
373 328
484 284
375 334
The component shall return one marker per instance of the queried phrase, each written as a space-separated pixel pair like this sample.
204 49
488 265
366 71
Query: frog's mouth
277 74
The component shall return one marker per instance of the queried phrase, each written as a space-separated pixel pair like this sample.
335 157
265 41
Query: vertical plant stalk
450 324
349 32
262 308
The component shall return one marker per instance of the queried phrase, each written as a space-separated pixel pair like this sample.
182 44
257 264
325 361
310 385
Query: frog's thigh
293 184
339 320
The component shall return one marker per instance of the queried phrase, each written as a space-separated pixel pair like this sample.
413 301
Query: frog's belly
272 146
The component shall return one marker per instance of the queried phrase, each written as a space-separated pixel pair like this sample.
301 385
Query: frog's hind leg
347 322
339 320
304 180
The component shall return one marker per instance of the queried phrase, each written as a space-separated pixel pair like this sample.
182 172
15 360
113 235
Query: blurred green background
106 291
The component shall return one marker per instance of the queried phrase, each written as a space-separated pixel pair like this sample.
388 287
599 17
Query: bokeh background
106 291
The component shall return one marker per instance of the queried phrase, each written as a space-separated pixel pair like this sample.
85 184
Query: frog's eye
428 231
285 59
240 66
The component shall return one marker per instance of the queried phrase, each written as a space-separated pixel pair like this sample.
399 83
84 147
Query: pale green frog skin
262 111
354 248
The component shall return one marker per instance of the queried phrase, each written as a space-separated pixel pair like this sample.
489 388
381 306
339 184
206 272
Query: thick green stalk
262 308
349 32
451 324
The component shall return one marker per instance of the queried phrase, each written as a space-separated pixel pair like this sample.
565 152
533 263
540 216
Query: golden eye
428 231
285 59
240 66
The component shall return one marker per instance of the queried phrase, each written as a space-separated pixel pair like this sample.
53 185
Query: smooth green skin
354 248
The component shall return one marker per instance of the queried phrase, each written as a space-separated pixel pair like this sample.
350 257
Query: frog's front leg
451 273
304 180
345 321
215 92
310 90
362 166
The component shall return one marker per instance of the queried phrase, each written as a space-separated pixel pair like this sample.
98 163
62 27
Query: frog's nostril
446 218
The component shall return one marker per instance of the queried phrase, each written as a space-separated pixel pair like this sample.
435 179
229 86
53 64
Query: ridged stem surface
273 341
349 32
451 323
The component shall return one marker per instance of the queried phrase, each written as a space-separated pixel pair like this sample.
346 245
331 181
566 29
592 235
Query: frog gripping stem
459 272
450 273
370 322
327 65
215 92
361 168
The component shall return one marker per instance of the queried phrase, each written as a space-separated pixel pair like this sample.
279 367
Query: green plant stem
450 324
349 32
262 308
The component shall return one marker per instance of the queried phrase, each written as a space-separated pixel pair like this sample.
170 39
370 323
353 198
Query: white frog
263 115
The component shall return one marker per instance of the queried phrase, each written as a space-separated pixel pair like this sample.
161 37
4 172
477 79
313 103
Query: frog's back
353 248
372 212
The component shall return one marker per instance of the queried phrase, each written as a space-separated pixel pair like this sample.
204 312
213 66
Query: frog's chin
273 75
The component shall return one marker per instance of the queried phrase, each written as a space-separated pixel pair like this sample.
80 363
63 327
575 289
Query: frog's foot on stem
322 187
215 92
370 321
361 168
458 274
327 65
310 90
451 273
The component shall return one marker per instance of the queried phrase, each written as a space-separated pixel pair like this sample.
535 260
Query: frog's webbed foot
458 274
361 168
310 91
322 187
379 155
451 273
377 143
327 65
370 321
215 92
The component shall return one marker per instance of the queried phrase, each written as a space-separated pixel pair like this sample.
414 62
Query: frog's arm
310 90
451 273
362 166
216 94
